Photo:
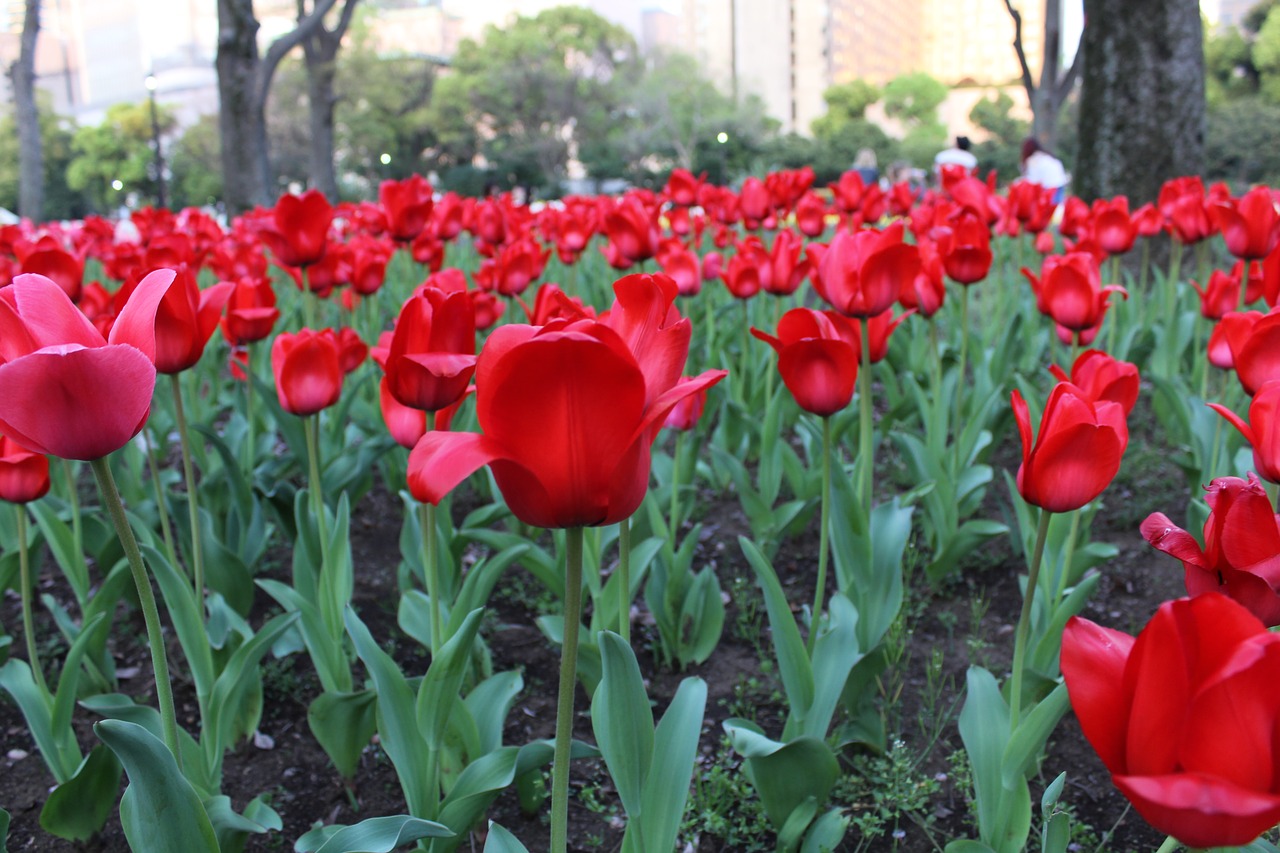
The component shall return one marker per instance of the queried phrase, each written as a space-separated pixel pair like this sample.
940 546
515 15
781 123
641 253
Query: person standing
1041 167
957 155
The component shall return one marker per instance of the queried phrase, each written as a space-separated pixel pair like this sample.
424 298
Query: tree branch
1064 85
285 43
1028 82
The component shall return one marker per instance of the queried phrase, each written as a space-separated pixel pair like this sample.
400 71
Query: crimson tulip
569 411
1102 377
1241 554
64 389
811 215
787 266
1113 227
24 474
927 289
407 205
308 370
1182 203
251 311
1185 716
879 329
1262 430
1076 452
682 265
861 274
632 230
299 228
352 351
1254 339
407 426
1250 225
431 356
818 354
743 275
49 259
682 187
185 319
965 247
685 414
1070 291
1220 296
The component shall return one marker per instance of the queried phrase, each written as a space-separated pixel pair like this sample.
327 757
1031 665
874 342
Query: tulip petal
1200 810
820 374
76 402
48 316
442 460
1093 663
136 323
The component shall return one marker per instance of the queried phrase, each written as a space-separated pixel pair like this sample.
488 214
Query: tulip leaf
502 841
238 677
188 620
438 693
344 723
489 704
160 811
326 652
1027 743
623 722
793 660
375 835
4 831
62 545
36 705
826 833
233 830
79 807
675 747
784 774
967 845
835 654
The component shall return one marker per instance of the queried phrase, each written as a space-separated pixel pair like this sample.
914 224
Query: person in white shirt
958 155
1041 167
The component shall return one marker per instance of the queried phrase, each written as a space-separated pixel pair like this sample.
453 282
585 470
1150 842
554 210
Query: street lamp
723 139
151 84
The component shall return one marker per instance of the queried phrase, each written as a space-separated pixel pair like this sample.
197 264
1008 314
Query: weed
724 806
883 792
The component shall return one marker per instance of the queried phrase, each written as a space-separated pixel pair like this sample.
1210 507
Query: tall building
876 41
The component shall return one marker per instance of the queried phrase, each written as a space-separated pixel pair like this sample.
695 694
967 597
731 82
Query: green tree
1228 65
1239 145
1266 56
194 161
524 89
914 99
1001 150
119 149
845 103
60 201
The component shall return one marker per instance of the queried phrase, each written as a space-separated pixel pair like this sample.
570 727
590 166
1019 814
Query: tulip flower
861 274
787 265
1220 296
682 187
64 389
1113 227
1070 291
1254 340
308 370
352 351
1250 225
299 228
927 289
1076 452
686 413
1102 377
432 353
24 474
1262 430
407 205
811 215
49 259
632 230
407 426
1241 554
185 319
251 311
1182 202
818 354
965 247
1184 716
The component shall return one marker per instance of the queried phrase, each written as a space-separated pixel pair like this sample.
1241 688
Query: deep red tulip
682 187
754 202
24 475
1254 339
1102 377
861 274
1262 431
432 353
1220 296
965 247
185 319
1185 717
633 234
682 265
811 215
352 351
1076 452
552 303
818 354
1241 554
64 389
927 289
407 205
486 307
879 329
299 228
514 267
1113 227
308 370
1070 291
847 192
52 261
1250 225
743 275
686 413
407 426
251 311
569 411
788 266
1182 203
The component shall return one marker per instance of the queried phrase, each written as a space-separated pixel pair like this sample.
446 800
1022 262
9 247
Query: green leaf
344 723
826 833
233 830
375 835
1027 743
835 654
502 841
489 704
78 807
4 831
793 660
62 544
235 682
675 746
160 811
785 774
37 708
188 620
967 845
438 693
623 722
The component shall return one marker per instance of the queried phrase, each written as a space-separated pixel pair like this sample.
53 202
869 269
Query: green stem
1113 275
624 580
744 363
1244 285
964 352
1064 574
311 428
162 506
77 528
819 595
308 303
1024 621
673 515
249 441
865 425
28 622
1170 844
568 681
709 322
193 504
427 520
147 598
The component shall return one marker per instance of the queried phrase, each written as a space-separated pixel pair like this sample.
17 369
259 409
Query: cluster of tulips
566 409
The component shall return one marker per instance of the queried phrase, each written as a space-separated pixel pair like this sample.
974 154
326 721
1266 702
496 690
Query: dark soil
969 621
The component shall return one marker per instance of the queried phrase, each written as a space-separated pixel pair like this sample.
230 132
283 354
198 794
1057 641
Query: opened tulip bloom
1262 430
64 389
299 228
861 274
432 353
818 355
1077 451
569 411
1241 553
1102 377
1185 716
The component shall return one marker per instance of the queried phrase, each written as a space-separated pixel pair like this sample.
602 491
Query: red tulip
64 389
861 274
965 247
879 329
52 261
1113 227
1102 377
407 205
1254 339
352 351
1077 451
24 475
686 413
682 265
1262 430
1071 292
432 353
1220 297
1241 554
515 266
682 187
632 230
818 354
847 192
1249 225
743 275
406 425
299 228
569 411
1182 204
1185 717
927 289
788 266
754 202
185 319
552 303
251 311
811 215
308 370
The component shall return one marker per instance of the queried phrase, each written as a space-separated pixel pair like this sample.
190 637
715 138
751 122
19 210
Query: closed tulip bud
24 475
308 370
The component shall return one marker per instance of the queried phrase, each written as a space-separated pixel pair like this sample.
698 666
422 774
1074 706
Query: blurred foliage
195 165
1001 150
56 132
119 149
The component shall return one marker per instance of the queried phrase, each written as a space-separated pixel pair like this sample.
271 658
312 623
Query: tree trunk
321 52
244 79
1142 108
1047 97
22 76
